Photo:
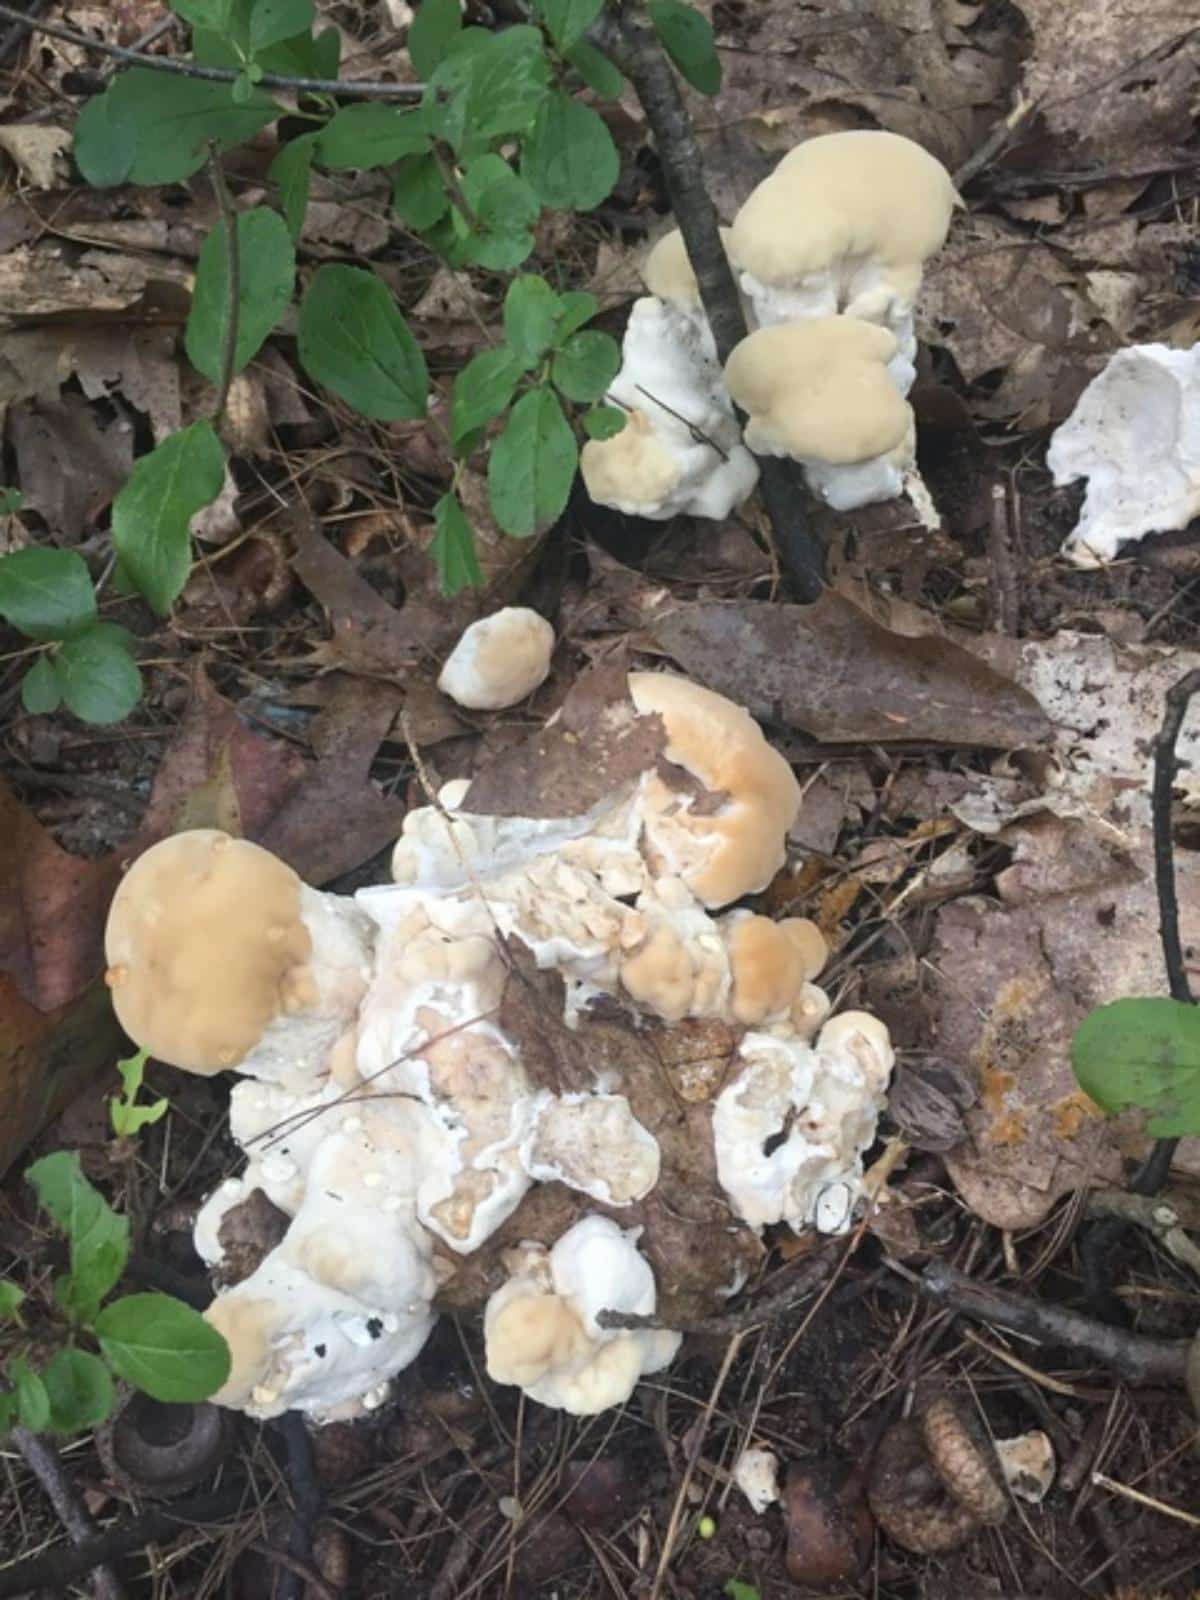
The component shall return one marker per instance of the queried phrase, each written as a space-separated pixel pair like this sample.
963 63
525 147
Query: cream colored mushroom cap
205 947
667 271
720 744
820 390
499 660
631 468
859 193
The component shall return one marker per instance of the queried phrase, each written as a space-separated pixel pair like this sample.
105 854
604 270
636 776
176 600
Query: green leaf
47 594
434 28
219 15
11 500
163 1347
127 1116
167 122
266 280
578 307
273 21
505 207
490 84
532 465
687 37
531 313
41 691
79 1389
603 422
418 195
8 1412
292 171
353 339
1143 1053
596 70
737 1590
373 135
568 20
453 548
33 1403
482 390
569 157
10 1299
586 365
99 679
152 514
98 1237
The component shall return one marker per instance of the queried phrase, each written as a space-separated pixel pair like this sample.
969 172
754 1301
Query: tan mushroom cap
499 660
532 1334
854 194
722 746
772 962
820 391
205 947
632 468
667 271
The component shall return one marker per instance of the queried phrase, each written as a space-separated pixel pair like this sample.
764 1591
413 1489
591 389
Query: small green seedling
128 1117
737 1590
152 1341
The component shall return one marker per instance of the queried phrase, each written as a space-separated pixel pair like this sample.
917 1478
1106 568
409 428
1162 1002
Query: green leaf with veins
453 548
1145 1053
353 339
603 422
504 208
79 1389
152 514
163 1348
687 37
596 70
47 594
33 1403
432 32
372 135
578 307
532 465
489 85
274 21
99 679
586 365
419 195
41 692
569 156
292 171
482 390
531 313
266 280
98 1237
566 21
128 1117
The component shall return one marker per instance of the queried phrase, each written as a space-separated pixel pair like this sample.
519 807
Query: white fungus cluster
828 252
423 1131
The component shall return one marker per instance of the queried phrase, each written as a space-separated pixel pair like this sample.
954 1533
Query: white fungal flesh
1135 436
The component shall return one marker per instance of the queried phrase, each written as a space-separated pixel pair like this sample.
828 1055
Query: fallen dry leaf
71 460
840 676
37 151
39 280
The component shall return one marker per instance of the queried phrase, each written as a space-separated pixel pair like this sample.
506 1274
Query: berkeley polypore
499 660
616 1138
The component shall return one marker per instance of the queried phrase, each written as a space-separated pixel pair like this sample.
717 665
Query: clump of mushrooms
829 251
423 1138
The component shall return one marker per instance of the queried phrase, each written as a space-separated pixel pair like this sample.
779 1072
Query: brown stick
44 1461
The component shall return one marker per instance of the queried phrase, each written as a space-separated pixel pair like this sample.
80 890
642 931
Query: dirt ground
964 898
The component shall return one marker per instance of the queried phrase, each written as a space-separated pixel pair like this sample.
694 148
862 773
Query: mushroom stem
631 41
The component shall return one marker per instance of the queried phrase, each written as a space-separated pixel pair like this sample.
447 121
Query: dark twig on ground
363 90
1132 1356
633 45
44 1461
307 1501
1102 1238
800 1284
10 41
57 1570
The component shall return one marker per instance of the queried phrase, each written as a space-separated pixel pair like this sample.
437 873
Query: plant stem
189 69
229 221
627 35
44 1461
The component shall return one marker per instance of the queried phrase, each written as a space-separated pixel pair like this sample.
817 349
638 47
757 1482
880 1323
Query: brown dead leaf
369 635
40 280
138 365
840 676
37 151
1116 83
71 460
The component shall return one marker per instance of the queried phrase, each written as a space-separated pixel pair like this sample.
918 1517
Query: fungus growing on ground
219 956
548 1024
823 392
541 1328
1135 436
499 660
845 223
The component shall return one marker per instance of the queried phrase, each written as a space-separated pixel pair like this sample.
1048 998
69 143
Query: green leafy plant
127 1115
152 1341
1144 1053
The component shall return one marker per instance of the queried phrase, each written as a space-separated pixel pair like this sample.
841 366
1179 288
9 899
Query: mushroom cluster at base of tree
546 1035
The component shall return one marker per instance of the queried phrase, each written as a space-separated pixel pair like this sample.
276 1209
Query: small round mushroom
499 660
541 1327
772 963
822 393
162 1450
724 851
846 223
220 957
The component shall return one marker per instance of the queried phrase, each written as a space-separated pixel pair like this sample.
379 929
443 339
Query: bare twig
631 41
189 69
995 142
1131 1356
804 1281
229 221
18 30
1006 604
44 1461
307 1503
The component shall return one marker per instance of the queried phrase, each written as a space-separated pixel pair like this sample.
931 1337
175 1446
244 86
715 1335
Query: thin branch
44 1461
339 90
229 221
633 45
